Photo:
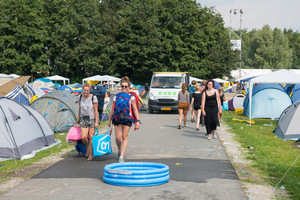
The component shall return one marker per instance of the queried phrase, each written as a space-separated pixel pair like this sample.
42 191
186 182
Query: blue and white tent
60 108
294 91
268 101
280 76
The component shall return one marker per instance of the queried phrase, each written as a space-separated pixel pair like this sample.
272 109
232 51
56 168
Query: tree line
77 39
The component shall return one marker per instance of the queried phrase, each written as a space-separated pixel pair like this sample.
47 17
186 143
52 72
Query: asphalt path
199 168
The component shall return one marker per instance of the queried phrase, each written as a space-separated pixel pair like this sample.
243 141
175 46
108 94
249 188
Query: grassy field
272 156
9 168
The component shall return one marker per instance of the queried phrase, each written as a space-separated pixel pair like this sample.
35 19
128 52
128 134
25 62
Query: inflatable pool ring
136 174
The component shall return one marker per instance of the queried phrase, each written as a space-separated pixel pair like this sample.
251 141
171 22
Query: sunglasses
123 86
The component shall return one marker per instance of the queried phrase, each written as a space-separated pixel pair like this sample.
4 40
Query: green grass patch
272 156
10 166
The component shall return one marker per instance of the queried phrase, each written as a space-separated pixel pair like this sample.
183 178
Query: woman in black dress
211 107
196 105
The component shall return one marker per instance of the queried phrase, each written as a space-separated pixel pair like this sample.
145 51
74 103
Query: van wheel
150 111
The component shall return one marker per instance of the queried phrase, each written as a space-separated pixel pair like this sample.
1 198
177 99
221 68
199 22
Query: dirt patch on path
255 186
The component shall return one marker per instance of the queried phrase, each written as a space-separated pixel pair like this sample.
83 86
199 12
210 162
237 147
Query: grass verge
272 156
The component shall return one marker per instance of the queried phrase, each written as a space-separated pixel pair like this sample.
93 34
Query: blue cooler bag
225 105
102 143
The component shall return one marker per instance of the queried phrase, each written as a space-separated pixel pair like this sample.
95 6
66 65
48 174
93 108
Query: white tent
280 76
220 80
6 76
59 78
196 79
244 72
107 78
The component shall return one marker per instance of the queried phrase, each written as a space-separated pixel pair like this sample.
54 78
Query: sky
257 13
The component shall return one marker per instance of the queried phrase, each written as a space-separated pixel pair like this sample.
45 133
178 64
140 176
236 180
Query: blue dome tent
294 91
268 101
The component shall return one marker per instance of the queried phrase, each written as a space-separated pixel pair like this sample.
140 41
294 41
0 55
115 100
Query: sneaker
179 127
209 138
215 134
119 153
184 126
121 159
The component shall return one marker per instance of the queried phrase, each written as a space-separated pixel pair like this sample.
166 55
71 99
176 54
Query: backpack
137 100
122 108
99 91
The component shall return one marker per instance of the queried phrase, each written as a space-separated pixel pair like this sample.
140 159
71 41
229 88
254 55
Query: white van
164 88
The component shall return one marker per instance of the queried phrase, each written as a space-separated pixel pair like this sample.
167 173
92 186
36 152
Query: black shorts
128 123
197 107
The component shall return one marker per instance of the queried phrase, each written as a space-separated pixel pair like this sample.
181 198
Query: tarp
13 87
280 76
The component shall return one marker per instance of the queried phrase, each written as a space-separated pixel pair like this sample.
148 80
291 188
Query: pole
230 25
241 43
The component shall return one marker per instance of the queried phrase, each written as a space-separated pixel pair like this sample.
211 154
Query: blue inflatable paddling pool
136 174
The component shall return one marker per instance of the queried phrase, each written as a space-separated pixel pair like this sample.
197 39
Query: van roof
174 74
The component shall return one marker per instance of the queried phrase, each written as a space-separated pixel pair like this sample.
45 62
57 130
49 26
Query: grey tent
22 129
288 122
60 108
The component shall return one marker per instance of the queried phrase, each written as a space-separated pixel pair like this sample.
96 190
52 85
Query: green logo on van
167 93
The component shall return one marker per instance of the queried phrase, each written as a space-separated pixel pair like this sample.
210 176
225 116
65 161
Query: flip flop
90 158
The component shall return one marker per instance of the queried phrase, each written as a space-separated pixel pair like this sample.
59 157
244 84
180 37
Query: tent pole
250 99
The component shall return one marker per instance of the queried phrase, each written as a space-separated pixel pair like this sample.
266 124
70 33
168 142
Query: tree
23 37
269 49
294 45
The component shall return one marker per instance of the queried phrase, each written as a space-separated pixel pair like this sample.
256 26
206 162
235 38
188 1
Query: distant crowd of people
205 104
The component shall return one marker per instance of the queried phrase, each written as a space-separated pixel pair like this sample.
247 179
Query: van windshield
167 82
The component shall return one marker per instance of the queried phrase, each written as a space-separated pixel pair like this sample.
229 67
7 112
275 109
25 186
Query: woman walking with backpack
124 106
88 118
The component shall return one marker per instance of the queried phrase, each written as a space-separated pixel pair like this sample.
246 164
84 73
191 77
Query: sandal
89 158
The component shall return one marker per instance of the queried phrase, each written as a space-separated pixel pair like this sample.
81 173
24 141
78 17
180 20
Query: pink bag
74 134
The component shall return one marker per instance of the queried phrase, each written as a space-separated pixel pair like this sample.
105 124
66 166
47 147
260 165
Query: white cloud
257 13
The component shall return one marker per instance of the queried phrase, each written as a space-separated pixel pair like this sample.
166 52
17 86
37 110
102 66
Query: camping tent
22 129
268 101
288 122
60 108
294 91
280 76
236 102
65 88
42 83
58 78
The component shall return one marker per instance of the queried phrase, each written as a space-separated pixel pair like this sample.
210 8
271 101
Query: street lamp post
235 36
